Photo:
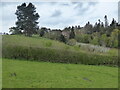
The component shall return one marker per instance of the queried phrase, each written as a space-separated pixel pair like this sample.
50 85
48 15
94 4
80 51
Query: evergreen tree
72 34
106 21
43 30
14 31
112 26
62 38
27 19
88 28
79 27
102 29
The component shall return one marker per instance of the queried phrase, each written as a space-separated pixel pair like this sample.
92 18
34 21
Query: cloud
92 3
82 7
56 13
62 14
65 4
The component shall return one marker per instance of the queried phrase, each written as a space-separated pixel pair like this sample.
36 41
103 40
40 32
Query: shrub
72 42
83 38
57 55
93 48
40 49
94 41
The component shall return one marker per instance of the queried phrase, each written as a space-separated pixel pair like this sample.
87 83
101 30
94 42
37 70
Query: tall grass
57 55
93 48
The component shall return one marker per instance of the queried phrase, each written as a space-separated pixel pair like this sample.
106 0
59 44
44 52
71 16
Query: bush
57 55
94 41
52 36
83 38
93 48
72 42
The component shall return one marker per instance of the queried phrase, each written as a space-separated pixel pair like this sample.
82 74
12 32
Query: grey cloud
82 10
58 21
65 4
56 13
74 2
78 5
53 3
92 3
4 4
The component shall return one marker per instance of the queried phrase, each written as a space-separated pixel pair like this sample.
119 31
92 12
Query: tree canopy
26 19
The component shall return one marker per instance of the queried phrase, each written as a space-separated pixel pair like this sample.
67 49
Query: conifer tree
27 19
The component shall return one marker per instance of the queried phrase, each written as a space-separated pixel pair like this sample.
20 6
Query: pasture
30 74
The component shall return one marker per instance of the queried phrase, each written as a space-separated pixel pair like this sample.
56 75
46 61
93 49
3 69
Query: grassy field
42 49
29 74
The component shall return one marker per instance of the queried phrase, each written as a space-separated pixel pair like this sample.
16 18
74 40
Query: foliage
42 31
103 40
94 41
53 36
113 41
62 38
83 38
93 48
15 30
15 47
71 42
26 19
72 34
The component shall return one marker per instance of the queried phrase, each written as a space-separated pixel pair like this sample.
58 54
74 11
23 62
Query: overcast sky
61 14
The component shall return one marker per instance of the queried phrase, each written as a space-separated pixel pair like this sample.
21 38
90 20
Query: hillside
35 41
27 74
42 49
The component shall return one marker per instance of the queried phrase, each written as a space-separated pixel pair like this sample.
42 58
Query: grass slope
42 49
35 41
39 42
55 75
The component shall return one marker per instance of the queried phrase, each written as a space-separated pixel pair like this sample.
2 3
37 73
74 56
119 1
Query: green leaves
26 19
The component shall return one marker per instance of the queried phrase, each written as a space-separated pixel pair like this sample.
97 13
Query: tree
113 39
112 26
104 40
88 28
14 30
27 19
94 41
95 27
102 29
72 34
79 27
62 38
106 21
43 30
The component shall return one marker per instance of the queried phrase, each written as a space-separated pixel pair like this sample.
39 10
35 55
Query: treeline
102 33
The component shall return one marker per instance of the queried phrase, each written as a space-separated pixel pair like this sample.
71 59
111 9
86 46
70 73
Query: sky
58 15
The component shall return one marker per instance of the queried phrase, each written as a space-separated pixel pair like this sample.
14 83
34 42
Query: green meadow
30 74
35 62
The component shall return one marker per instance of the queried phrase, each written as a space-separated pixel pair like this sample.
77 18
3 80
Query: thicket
101 40
58 55
99 34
